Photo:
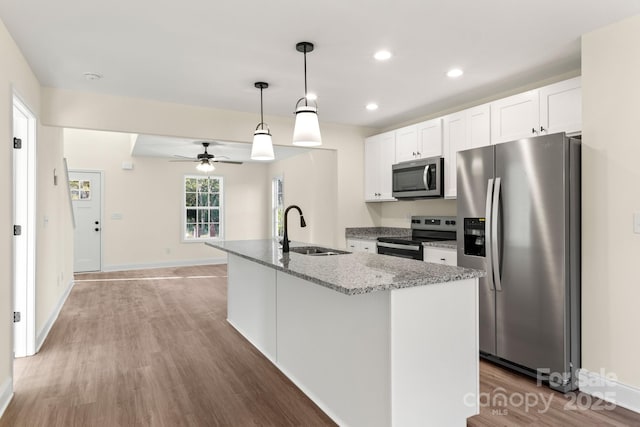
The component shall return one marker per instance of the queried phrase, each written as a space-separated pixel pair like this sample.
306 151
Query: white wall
310 181
149 200
16 75
610 156
71 109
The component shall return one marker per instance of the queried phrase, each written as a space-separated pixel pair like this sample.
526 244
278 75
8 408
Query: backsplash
398 214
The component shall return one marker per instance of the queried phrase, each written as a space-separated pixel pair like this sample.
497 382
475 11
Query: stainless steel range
423 229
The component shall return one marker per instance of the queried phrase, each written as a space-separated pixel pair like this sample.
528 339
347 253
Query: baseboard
611 390
44 332
165 264
6 394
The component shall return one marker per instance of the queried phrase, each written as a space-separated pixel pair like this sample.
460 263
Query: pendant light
262 148
306 131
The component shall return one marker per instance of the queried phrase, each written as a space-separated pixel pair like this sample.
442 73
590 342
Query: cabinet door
441 256
406 143
561 107
371 166
454 141
379 155
479 126
430 138
387 149
357 245
515 117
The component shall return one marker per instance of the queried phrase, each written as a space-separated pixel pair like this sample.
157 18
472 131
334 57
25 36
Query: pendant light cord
261 117
305 76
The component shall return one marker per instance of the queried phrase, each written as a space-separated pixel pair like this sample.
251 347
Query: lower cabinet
359 245
441 255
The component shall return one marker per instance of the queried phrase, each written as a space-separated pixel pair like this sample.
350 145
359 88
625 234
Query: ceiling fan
205 160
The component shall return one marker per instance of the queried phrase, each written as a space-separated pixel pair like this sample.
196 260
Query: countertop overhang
350 274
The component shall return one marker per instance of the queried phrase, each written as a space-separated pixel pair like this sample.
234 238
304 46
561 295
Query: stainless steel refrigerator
519 219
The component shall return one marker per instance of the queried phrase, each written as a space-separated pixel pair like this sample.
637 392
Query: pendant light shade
262 148
306 131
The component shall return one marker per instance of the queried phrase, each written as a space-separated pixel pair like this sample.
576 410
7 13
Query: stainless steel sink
317 251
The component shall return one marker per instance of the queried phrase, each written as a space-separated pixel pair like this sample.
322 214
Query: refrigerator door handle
488 242
495 246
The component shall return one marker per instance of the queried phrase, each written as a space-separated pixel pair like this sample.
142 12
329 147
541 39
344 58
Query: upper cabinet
463 130
430 138
419 141
561 107
379 156
550 109
407 143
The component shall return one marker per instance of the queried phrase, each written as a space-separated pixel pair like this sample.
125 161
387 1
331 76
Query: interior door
86 194
530 309
474 169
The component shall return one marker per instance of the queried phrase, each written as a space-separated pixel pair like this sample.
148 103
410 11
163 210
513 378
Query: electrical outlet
636 222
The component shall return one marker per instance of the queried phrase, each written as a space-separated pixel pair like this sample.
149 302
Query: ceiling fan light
262 148
205 166
306 131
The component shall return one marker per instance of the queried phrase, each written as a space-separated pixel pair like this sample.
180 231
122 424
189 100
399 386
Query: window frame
220 207
274 206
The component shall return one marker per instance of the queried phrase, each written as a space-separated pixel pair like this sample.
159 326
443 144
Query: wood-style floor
153 348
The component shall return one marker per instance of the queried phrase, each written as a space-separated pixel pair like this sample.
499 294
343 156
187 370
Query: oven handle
398 246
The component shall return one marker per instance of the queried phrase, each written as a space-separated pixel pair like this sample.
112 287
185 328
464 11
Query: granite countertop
350 274
372 233
445 244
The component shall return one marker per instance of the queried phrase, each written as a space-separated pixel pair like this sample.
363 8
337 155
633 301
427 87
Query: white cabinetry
550 109
463 130
441 255
359 245
515 117
561 107
454 140
419 141
407 143
379 155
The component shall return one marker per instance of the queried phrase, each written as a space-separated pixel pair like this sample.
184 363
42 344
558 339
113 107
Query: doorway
24 202
86 195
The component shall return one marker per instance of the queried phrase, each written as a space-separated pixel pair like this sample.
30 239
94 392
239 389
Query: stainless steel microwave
418 179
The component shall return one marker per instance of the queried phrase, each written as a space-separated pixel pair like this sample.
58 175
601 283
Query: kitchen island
373 340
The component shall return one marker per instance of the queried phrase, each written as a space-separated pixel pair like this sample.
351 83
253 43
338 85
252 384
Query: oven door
411 251
418 179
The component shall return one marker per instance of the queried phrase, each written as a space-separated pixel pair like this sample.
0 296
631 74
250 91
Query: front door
86 196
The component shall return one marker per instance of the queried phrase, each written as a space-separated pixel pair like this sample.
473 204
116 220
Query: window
202 218
277 207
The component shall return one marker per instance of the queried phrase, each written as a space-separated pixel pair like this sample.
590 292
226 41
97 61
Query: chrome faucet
285 239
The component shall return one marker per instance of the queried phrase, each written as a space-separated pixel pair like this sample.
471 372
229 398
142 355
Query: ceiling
210 53
173 148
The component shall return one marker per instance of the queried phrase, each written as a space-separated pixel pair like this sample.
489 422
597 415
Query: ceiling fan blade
186 159
228 161
183 157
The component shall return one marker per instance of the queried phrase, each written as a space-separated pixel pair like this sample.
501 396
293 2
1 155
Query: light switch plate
636 222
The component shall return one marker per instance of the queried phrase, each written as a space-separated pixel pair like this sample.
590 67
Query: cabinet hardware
542 129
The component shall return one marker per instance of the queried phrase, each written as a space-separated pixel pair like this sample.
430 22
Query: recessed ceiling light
312 96
372 106
454 72
382 55
92 76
